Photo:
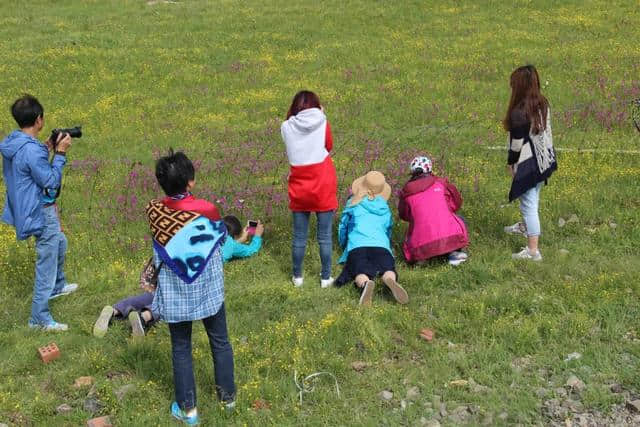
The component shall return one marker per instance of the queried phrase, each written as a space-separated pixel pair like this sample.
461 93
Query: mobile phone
252 227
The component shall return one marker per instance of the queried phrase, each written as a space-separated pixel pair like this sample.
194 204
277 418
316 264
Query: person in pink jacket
429 203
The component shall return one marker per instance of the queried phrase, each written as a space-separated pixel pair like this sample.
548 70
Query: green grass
397 78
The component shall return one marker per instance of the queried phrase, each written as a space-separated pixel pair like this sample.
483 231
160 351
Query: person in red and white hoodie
313 183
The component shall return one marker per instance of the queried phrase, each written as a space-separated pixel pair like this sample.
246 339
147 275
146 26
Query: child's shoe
526 254
102 324
367 293
181 415
66 290
457 257
137 328
297 281
517 228
398 291
326 283
52 326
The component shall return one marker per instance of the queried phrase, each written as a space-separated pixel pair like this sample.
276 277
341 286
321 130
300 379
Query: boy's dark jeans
183 380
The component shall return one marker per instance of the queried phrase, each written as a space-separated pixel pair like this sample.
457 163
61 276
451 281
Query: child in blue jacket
364 234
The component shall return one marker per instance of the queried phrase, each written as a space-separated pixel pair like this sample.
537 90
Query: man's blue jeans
183 379
51 246
324 235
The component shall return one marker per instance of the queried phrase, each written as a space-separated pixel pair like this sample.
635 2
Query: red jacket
429 205
192 204
313 184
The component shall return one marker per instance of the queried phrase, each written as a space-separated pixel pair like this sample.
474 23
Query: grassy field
215 78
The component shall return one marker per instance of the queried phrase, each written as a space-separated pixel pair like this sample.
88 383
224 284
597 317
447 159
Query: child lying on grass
137 309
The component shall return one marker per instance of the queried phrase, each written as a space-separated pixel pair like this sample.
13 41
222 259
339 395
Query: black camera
75 132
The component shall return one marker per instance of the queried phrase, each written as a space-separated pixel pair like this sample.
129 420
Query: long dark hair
526 95
303 100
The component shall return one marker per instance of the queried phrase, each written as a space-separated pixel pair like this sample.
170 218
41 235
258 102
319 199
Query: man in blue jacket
32 183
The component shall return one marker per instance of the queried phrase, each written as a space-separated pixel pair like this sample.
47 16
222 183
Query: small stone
260 404
613 225
459 383
520 363
573 218
560 392
634 405
503 416
359 366
443 410
573 356
616 388
92 405
403 404
413 393
427 334
83 382
100 422
64 409
563 252
386 395
459 415
124 390
575 383
561 222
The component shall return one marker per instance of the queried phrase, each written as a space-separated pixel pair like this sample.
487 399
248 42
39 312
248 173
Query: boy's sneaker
52 326
137 328
229 406
102 323
297 281
398 291
457 257
526 254
325 283
367 293
517 228
181 415
66 290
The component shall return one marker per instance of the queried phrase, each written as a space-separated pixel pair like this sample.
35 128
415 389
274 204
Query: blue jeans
51 246
529 210
183 380
325 242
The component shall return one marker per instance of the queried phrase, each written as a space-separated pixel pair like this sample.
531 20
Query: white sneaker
297 281
52 326
457 257
525 254
326 283
66 290
517 228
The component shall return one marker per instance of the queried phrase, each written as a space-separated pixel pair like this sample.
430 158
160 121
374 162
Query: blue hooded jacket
367 224
27 172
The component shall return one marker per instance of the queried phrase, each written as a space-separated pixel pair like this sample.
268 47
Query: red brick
49 352
100 422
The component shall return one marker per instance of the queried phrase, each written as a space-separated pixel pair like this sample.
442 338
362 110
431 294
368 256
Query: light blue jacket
233 249
367 224
27 172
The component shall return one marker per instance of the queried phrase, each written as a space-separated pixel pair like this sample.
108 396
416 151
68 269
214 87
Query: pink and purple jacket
429 204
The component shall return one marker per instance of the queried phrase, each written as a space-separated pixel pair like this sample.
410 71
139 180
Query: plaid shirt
177 301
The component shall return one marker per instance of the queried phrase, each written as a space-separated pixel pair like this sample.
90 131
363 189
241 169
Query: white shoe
52 326
326 283
517 228
297 281
525 254
66 290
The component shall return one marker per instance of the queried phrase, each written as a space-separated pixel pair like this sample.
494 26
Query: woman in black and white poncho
531 159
